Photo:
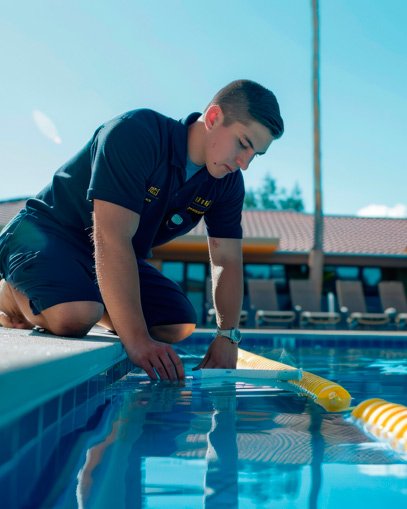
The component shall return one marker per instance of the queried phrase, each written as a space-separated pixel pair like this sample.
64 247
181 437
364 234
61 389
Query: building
277 244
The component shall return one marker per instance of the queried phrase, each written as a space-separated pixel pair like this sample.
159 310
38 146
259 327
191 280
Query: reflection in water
104 470
114 465
221 479
318 446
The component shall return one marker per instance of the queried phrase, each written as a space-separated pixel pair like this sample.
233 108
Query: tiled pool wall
32 438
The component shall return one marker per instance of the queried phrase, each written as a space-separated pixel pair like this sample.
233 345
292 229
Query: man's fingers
161 369
161 362
202 364
149 369
199 366
168 365
208 364
177 364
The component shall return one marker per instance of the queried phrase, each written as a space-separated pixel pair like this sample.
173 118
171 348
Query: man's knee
172 333
72 319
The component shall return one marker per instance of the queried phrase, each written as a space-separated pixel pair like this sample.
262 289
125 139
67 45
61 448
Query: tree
294 200
250 200
269 197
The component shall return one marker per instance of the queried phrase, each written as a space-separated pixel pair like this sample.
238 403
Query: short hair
245 100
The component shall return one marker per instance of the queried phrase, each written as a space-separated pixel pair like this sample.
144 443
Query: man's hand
221 354
156 357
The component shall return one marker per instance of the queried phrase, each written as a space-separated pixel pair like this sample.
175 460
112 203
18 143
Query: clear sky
67 66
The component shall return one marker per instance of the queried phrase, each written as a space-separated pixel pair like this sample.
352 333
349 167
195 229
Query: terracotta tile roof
10 208
342 234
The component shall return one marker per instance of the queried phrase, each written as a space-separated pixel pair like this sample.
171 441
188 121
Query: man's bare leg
166 333
66 319
10 314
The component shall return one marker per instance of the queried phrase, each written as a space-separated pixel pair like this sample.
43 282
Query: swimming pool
214 443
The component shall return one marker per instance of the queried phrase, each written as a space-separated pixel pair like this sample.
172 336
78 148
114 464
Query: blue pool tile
50 412
81 393
8 490
8 442
28 472
28 426
68 401
93 387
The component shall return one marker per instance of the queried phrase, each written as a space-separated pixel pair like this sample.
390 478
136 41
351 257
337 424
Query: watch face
235 335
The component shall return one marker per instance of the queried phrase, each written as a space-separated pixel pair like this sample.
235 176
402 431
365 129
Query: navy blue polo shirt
138 160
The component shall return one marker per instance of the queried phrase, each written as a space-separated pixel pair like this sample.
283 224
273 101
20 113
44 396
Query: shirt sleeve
224 218
124 153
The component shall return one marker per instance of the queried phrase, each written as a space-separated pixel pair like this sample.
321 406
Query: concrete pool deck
35 366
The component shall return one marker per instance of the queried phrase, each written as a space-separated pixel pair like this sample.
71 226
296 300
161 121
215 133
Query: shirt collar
180 140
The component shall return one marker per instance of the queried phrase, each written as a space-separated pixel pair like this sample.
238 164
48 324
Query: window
347 273
264 271
174 271
196 273
371 276
297 271
195 282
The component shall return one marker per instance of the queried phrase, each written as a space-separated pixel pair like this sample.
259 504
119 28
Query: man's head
240 122
245 101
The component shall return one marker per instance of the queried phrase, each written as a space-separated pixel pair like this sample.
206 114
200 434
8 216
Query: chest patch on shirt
199 205
152 193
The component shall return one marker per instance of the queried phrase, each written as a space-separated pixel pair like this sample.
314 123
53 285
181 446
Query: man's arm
118 278
227 284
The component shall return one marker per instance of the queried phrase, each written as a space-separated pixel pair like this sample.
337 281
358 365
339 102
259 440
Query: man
75 256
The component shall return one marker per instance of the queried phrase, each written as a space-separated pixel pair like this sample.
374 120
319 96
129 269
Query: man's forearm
228 293
118 279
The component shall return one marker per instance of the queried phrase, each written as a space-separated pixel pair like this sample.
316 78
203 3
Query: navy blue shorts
50 267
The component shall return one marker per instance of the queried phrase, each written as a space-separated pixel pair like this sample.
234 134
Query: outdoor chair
307 303
394 302
210 310
263 301
352 304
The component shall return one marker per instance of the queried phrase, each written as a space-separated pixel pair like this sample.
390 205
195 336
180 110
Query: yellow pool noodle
330 395
384 420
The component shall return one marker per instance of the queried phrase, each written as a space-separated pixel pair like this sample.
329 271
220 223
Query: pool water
216 444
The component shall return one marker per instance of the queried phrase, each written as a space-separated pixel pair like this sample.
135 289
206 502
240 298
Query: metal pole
316 255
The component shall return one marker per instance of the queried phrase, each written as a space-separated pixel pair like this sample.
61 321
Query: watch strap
233 334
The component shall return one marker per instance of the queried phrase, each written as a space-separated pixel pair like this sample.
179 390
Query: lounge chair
263 300
210 310
394 302
307 303
352 304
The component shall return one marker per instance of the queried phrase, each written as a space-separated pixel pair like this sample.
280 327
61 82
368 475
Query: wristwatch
233 335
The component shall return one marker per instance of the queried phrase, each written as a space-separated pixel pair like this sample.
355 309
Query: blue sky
68 66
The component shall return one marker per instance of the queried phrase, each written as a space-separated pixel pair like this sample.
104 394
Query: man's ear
213 116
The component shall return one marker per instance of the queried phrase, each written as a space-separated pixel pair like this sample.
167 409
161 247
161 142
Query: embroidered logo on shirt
152 193
153 190
199 205
202 201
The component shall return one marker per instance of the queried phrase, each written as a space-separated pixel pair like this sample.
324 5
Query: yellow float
330 395
384 420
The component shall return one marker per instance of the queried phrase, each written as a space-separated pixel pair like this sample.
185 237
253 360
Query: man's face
232 147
